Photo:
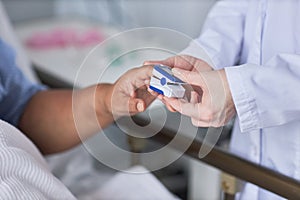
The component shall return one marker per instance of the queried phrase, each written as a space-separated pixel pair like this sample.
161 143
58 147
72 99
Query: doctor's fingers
186 108
186 62
191 77
210 120
201 114
195 99
189 63
180 61
199 123
161 97
169 62
201 66
169 107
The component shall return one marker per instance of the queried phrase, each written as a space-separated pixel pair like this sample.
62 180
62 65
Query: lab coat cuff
243 97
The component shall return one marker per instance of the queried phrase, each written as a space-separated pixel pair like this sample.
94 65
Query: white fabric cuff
244 98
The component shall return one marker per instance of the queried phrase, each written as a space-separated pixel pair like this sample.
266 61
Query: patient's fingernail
140 106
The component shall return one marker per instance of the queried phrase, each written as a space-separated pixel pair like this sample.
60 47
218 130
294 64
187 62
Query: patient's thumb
136 105
140 106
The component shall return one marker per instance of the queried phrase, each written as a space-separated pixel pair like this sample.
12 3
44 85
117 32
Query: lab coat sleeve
222 32
266 96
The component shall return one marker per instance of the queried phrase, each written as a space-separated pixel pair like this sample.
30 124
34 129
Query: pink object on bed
61 38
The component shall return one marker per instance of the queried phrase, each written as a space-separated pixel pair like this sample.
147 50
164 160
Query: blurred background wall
24 10
184 16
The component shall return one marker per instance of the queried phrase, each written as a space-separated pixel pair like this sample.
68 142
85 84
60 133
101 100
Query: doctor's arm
54 119
222 34
266 96
262 96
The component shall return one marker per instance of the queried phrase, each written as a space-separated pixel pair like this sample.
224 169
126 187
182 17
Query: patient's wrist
103 100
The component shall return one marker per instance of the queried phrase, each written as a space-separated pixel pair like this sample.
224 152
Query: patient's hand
64 115
129 94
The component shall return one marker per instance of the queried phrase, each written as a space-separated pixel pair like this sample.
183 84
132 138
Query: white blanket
23 171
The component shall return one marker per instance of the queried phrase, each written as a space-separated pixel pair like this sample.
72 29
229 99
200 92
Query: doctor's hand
185 62
210 104
129 94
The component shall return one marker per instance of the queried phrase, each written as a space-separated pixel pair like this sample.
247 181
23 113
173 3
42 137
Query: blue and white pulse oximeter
164 82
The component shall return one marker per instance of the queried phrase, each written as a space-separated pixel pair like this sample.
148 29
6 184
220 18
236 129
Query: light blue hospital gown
15 89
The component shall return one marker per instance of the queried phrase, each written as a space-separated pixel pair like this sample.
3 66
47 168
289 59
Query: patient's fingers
147 97
136 105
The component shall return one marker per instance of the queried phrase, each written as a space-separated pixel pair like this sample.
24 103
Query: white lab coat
258 44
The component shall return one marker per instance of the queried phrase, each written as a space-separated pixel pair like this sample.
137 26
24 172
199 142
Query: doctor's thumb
153 62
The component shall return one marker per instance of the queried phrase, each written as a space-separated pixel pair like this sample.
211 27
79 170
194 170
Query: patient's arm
51 123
